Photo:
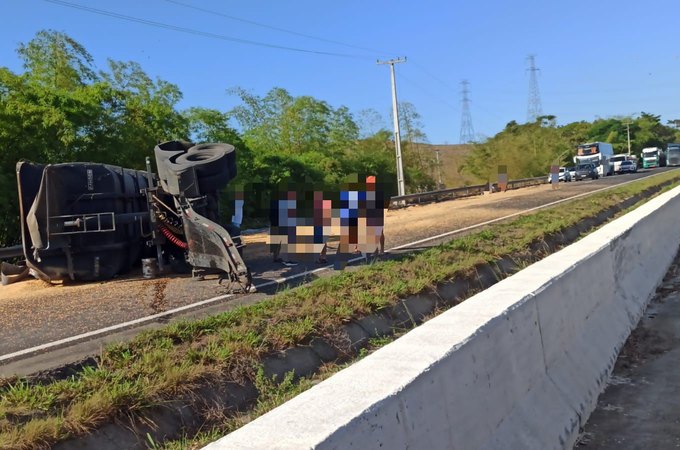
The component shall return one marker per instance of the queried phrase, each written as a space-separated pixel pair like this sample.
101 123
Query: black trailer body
88 221
82 221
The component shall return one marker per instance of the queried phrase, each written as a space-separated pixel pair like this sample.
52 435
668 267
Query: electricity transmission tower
467 133
534 108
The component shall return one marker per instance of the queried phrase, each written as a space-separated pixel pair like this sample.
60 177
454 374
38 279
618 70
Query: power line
429 93
489 111
199 32
431 75
271 27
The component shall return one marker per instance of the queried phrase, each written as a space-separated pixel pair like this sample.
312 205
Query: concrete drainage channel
185 415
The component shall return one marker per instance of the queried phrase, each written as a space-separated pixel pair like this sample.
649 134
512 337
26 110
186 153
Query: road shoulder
639 408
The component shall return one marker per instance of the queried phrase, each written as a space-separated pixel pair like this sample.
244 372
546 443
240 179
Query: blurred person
322 225
283 224
376 204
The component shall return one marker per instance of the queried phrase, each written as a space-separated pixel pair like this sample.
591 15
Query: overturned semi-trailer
87 221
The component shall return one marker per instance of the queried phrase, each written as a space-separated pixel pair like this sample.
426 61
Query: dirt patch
158 304
27 289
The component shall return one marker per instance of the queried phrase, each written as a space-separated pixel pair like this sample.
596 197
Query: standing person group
355 215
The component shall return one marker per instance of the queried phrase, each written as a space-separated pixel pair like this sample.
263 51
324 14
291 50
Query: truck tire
214 165
210 183
229 150
206 161
166 152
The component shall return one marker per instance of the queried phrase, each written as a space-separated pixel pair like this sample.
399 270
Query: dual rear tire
183 167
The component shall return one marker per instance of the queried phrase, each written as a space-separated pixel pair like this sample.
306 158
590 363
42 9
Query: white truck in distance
597 153
653 157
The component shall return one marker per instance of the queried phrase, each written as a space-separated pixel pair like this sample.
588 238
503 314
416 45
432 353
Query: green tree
375 155
526 150
61 110
645 130
293 125
46 114
138 113
650 132
56 60
370 123
575 133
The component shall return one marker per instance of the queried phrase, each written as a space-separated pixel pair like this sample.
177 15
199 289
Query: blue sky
596 58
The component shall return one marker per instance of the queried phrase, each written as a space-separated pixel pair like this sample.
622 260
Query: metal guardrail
467 191
437 196
525 182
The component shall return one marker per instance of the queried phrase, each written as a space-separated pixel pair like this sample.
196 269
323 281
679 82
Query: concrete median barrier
520 365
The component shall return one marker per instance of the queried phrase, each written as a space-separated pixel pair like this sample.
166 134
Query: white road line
151 318
105 330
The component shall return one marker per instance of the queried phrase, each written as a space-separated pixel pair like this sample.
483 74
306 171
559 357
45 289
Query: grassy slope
452 157
168 362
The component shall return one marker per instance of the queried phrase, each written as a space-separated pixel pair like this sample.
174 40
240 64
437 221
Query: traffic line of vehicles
657 157
597 159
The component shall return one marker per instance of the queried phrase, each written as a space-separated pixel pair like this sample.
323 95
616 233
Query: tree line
61 109
528 150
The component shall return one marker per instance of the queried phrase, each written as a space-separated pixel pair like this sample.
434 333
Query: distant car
586 170
564 175
627 167
572 172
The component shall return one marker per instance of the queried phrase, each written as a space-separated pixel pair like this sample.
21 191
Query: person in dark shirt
376 204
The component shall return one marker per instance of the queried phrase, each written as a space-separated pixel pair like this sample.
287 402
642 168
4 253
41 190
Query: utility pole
467 133
627 124
439 169
534 108
395 114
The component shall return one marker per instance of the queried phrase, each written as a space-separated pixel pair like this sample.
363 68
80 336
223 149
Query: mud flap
211 247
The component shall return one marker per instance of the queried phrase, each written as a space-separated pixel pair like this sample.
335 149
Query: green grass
172 361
